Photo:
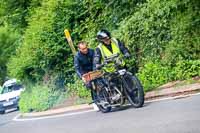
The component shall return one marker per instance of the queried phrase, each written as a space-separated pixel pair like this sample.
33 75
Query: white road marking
170 98
16 118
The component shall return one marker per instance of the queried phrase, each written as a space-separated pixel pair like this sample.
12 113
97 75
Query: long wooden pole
69 39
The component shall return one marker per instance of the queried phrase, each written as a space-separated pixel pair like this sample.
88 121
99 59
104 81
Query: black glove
127 55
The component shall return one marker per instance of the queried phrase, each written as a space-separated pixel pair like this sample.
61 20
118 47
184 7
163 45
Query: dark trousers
100 82
93 94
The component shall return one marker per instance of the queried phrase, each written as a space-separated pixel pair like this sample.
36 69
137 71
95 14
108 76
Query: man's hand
98 66
84 80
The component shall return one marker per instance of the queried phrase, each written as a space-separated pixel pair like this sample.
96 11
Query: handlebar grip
99 66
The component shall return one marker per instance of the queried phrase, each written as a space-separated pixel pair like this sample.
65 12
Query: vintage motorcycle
112 89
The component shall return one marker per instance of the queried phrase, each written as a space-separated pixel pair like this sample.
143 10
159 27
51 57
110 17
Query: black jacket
98 56
83 62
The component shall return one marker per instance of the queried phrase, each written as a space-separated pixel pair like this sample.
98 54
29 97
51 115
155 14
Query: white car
9 96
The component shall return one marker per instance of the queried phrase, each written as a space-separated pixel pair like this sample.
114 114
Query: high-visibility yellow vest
106 53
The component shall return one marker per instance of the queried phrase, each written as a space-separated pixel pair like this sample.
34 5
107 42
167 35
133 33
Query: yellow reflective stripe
106 52
102 52
115 48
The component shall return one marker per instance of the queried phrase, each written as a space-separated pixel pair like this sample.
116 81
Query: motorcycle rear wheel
103 97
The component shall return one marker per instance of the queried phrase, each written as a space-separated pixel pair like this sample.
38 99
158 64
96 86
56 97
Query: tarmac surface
168 92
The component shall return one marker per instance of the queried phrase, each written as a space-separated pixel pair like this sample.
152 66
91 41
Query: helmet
102 34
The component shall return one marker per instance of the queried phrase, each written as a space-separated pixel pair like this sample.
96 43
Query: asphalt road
169 116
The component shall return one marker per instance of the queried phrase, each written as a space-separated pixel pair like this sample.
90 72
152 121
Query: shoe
95 107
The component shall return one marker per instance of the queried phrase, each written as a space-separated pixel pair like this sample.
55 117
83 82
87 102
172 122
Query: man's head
104 36
83 48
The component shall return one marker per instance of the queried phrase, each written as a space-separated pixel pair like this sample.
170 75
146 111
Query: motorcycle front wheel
136 95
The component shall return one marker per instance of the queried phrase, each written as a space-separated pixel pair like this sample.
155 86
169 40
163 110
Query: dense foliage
162 35
40 98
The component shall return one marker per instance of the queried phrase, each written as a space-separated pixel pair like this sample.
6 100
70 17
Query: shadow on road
4 123
128 107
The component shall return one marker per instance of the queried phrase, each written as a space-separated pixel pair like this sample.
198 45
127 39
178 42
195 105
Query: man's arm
122 47
77 66
97 58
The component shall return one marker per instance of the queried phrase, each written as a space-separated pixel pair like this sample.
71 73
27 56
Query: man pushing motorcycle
109 81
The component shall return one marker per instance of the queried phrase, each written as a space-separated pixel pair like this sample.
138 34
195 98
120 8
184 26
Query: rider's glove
127 55
98 66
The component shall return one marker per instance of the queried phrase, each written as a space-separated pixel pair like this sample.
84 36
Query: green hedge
166 30
77 88
186 69
46 95
39 98
154 74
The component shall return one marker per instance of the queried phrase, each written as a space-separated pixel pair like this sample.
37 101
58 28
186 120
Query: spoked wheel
102 102
136 96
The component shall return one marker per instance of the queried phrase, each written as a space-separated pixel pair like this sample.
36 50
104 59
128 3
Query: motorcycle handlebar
99 66
112 59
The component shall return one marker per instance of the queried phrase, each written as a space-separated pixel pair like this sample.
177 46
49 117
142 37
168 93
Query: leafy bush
43 48
77 88
165 30
39 98
186 69
1 88
9 39
154 74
